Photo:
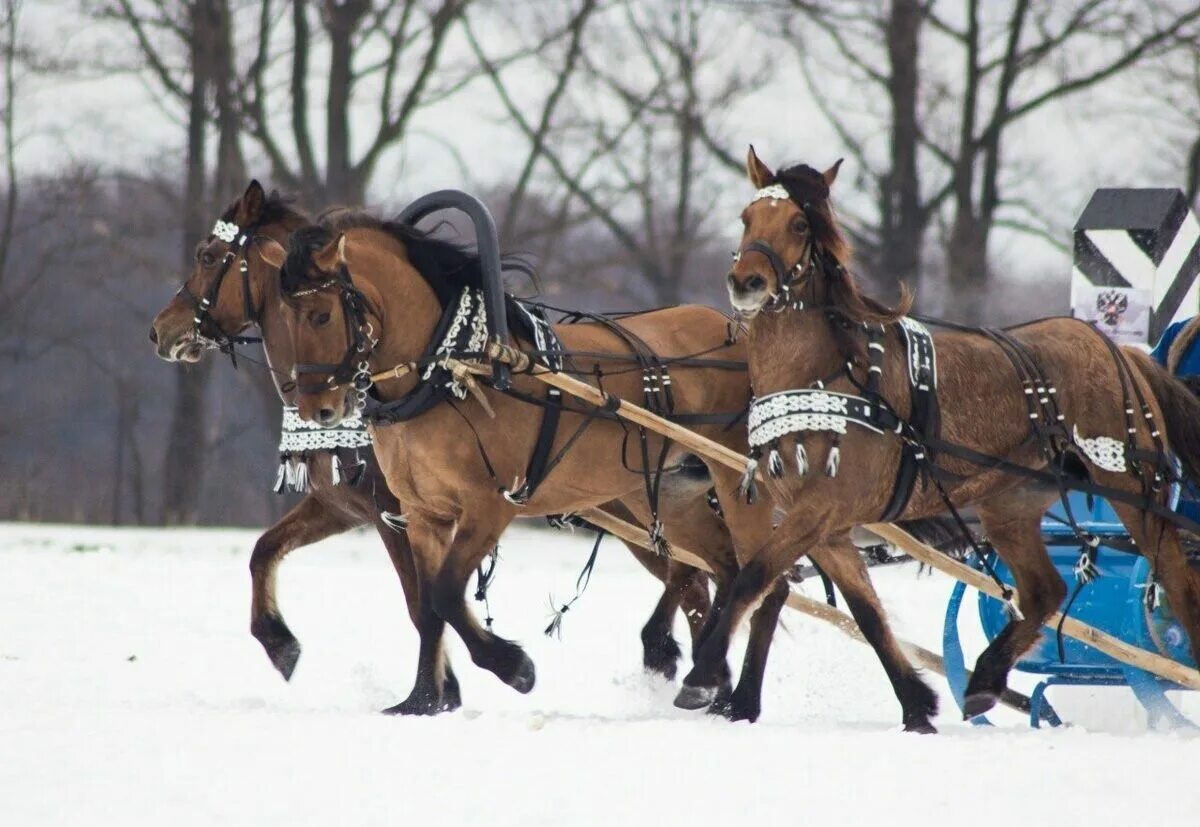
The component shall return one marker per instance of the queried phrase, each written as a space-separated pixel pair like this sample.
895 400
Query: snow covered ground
132 693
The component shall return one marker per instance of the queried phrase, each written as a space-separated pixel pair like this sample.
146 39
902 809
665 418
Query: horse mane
448 266
806 186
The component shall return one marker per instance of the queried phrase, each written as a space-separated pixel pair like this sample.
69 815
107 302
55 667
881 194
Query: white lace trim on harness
1104 452
471 312
299 436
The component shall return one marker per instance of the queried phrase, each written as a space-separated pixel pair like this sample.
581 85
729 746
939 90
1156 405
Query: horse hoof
695 697
978 703
737 711
661 656
525 676
921 727
420 706
280 644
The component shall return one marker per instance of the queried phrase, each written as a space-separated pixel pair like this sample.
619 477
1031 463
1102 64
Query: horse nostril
756 283
326 415
153 335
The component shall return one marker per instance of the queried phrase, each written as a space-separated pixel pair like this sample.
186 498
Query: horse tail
1180 409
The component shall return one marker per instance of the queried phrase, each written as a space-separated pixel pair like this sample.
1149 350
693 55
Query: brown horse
1022 413
352 286
330 509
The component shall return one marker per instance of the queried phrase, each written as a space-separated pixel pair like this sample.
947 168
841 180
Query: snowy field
132 693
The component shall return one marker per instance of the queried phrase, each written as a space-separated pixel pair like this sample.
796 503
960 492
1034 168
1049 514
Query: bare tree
945 150
623 136
389 52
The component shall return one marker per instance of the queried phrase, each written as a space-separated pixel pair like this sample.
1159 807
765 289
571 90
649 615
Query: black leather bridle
206 328
785 276
353 368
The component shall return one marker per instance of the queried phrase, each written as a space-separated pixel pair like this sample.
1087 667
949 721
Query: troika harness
462 332
793 412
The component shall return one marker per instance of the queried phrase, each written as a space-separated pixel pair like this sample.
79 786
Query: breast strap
818 409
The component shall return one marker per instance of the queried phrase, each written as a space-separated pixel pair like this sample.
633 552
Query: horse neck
409 310
791 349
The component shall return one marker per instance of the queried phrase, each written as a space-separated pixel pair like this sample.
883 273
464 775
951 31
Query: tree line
624 125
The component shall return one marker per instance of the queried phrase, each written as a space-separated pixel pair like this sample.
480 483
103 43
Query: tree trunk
904 219
183 466
341 21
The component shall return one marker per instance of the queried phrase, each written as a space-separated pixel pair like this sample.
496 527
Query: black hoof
921 727
525 676
978 703
280 644
662 657
424 701
411 706
738 710
696 697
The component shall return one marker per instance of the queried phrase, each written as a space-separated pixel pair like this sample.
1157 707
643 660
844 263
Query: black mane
449 267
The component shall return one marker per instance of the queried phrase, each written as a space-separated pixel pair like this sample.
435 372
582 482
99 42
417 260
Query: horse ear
830 175
331 255
760 174
252 202
271 251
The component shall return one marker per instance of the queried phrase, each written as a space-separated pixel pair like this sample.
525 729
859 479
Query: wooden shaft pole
627 410
1106 643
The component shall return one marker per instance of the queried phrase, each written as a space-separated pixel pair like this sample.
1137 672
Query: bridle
206 328
353 368
785 277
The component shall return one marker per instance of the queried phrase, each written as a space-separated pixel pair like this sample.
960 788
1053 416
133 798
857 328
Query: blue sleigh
1115 602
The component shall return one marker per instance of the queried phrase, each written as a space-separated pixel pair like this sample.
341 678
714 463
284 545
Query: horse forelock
298 265
807 188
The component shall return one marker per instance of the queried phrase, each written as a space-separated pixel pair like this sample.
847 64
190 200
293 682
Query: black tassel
748 489
801 458
775 461
302 474
658 540
555 627
357 470
281 476
835 458
396 522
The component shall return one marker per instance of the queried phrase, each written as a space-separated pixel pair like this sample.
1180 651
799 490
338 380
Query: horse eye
207 259
799 225
320 319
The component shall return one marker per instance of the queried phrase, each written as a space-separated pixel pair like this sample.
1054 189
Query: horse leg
1013 525
847 569
745 702
435 688
1159 542
756 578
401 555
504 658
660 650
309 522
